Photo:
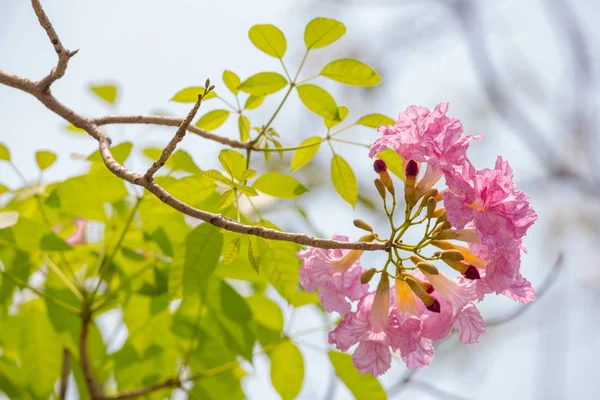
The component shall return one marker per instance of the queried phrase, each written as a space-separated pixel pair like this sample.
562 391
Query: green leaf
244 127
74 129
8 219
266 312
107 93
202 252
226 199
351 72
249 173
231 251
233 305
217 176
3 189
212 119
182 161
342 113
344 180
4 153
393 161
233 162
41 349
45 159
52 242
374 120
253 253
248 191
318 100
264 83
287 369
279 185
363 387
321 32
269 39
253 102
304 155
232 81
280 264
190 94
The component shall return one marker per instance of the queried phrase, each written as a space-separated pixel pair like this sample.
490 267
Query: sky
151 49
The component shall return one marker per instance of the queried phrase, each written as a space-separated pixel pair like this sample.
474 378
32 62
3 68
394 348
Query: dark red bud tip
430 290
379 166
412 168
472 273
434 307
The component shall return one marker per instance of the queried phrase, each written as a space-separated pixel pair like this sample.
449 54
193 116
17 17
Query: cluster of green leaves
192 298
319 33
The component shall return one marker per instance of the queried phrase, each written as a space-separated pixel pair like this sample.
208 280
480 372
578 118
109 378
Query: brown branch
46 98
168 384
94 390
64 378
63 54
169 121
179 135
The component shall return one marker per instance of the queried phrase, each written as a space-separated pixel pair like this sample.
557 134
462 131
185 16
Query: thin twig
64 378
179 135
168 384
168 121
94 390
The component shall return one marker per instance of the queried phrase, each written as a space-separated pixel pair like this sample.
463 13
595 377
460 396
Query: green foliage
44 159
287 369
269 39
351 72
212 119
374 120
344 180
363 387
190 94
393 161
318 100
309 149
321 32
192 297
263 83
107 93
279 185
232 81
4 153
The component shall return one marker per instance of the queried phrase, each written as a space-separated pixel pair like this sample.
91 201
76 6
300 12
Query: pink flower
335 273
375 343
425 136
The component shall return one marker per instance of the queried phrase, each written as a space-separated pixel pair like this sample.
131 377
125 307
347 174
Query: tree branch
169 121
45 97
179 135
64 378
94 390
63 54
168 384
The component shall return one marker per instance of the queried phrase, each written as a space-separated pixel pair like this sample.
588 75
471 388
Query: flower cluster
480 208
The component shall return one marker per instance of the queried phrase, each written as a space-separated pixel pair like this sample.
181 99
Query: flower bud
451 255
369 237
380 187
440 229
379 166
411 172
207 83
440 195
430 193
416 259
430 302
359 223
472 273
431 203
427 267
411 196
380 310
439 212
465 235
469 257
367 276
